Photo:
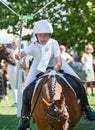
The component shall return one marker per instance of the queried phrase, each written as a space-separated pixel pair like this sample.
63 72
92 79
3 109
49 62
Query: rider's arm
57 55
27 51
58 63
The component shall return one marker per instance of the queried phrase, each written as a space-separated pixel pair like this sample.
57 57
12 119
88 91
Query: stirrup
24 124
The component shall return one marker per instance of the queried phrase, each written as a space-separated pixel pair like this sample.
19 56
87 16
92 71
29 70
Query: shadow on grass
10 122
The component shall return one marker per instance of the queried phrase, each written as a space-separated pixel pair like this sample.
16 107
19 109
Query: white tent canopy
7 38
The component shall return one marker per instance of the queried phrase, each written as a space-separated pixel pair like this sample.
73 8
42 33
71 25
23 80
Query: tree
73 21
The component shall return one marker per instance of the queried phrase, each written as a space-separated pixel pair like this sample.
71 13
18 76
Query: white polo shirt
34 49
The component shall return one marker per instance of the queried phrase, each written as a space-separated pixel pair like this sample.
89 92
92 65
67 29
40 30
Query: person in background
46 53
12 70
66 56
87 68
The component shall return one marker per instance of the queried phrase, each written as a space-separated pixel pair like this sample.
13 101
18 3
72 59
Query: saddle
73 82
76 84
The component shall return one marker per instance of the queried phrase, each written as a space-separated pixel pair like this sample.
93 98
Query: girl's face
43 38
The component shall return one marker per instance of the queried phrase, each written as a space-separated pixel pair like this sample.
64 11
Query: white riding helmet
42 26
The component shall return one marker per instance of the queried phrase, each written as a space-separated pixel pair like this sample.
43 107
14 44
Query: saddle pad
71 85
61 76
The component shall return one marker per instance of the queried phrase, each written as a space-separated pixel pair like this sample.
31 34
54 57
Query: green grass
9 120
84 124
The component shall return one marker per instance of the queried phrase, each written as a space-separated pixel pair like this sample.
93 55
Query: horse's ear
45 103
62 98
4 46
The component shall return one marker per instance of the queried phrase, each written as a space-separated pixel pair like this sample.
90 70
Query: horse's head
6 55
53 101
57 108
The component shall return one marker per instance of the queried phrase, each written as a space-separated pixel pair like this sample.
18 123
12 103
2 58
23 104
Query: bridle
55 108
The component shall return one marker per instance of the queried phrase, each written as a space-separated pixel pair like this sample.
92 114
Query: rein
38 97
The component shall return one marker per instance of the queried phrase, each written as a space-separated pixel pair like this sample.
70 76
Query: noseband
55 109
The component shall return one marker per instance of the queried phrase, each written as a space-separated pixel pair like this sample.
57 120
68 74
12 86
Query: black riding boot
81 93
26 107
90 114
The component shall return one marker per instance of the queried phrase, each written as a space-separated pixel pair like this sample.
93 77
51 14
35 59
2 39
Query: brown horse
6 55
55 105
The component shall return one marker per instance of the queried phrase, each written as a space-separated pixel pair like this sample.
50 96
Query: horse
6 55
55 105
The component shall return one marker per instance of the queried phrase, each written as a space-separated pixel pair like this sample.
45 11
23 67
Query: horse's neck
1 57
2 54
